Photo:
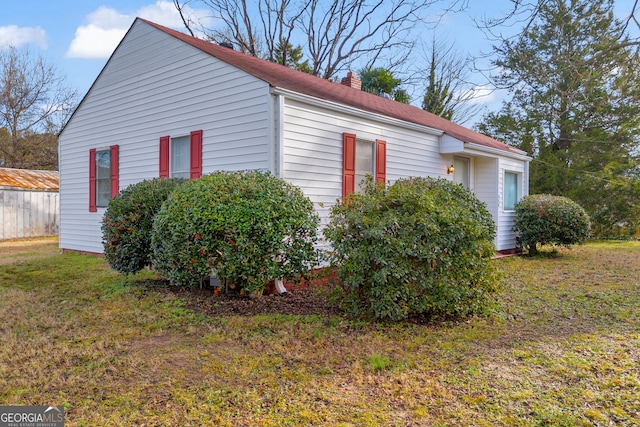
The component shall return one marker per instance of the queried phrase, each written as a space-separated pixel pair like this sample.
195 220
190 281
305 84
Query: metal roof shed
29 203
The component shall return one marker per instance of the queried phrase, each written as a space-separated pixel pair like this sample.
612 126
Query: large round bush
246 228
127 223
542 219
420 246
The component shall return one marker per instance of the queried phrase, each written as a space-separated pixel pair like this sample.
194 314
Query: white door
461 171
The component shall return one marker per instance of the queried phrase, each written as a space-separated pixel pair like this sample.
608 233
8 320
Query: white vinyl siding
486 186
156 85
506 217
312 146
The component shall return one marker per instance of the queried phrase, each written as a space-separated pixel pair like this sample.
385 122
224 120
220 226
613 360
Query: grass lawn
563 349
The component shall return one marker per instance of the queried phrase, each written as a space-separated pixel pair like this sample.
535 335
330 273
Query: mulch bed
304 300
301 301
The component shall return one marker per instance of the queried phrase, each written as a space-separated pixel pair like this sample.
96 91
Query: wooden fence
28 213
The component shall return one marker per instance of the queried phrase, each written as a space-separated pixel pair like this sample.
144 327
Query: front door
461 171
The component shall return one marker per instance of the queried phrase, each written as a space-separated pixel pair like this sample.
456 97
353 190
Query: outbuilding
28 203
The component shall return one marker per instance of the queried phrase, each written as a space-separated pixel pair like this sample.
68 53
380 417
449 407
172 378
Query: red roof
29 179
279 76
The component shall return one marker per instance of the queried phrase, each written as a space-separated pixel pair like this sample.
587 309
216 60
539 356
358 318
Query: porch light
450 169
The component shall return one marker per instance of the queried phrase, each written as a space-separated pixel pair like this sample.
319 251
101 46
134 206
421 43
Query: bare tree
259 32
346 31
334 34
448 92
34 105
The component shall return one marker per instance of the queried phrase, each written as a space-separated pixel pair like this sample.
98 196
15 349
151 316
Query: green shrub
418 247
542 219
127 223
243 227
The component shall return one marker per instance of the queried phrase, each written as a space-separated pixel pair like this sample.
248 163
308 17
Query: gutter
520 155
318 102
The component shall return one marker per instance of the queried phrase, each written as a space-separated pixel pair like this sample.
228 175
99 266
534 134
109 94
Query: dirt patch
299 301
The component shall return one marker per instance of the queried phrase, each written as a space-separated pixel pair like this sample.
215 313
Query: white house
167 104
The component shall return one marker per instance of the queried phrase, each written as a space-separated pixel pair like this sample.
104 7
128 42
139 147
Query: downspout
278 156
525 187
277 163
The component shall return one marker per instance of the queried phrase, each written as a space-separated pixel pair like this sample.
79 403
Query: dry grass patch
20 250
562 349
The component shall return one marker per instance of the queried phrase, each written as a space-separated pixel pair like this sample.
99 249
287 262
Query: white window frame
361 173
103 180
180 173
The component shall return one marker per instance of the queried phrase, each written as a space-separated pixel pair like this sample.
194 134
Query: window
364 161
103 177
510 191
181 157
359 158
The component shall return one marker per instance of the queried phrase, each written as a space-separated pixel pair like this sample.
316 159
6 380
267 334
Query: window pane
103 178
103 164
180 157
510 190
364 161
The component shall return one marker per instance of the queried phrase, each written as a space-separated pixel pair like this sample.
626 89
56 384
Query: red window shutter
381 161
348 164
196 154
115 171
92 180
164 157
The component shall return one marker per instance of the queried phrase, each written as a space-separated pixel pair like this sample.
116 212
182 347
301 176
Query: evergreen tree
292 57
382 82
448 93
575 107
438 97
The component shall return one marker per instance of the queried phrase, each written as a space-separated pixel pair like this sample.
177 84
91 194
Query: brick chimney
352 81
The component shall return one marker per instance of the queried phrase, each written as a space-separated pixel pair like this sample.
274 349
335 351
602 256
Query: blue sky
79 35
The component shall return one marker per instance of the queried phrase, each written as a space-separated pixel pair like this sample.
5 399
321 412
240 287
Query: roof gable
279 76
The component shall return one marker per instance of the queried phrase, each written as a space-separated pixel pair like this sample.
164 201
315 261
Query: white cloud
163 13
101 35
107 26
481 94
12 35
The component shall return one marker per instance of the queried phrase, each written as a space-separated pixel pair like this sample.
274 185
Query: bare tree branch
180 8
34 104
334 34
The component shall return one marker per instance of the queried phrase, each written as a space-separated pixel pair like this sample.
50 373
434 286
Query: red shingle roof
29 179
279 76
